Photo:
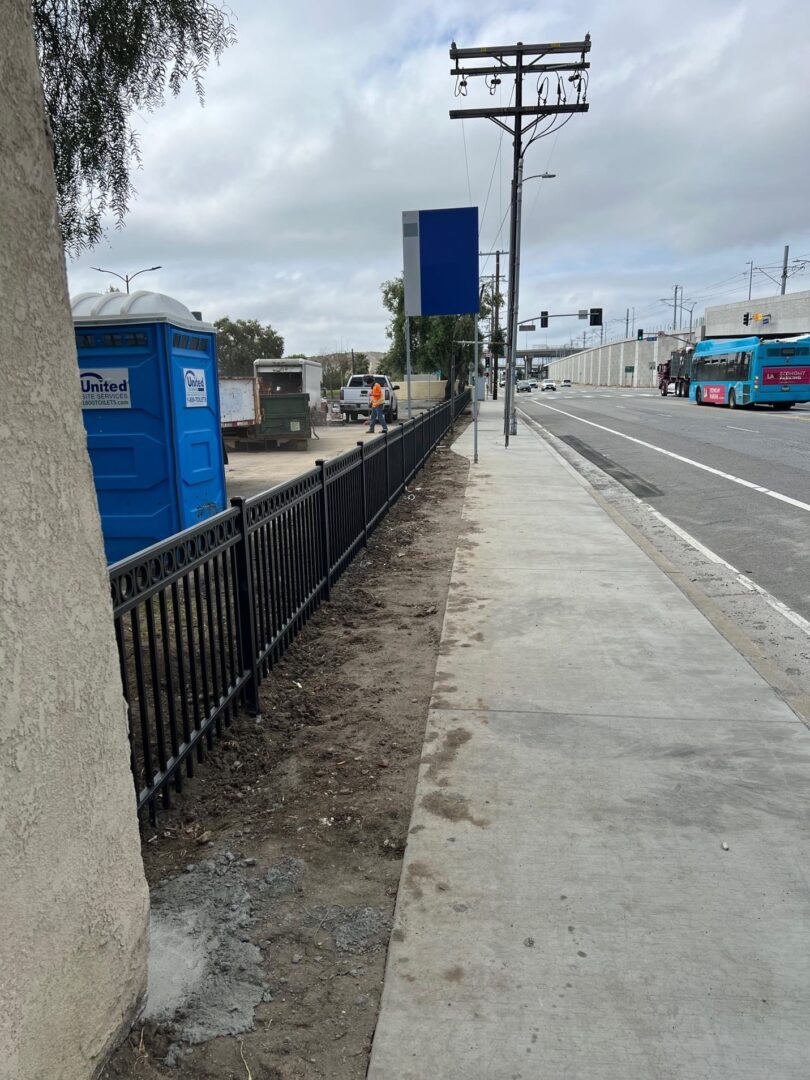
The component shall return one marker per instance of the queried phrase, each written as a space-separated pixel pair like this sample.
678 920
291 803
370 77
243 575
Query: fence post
245 606
404 470
327 550
363 484
387 476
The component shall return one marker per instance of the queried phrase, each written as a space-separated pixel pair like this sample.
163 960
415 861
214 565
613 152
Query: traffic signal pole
520 60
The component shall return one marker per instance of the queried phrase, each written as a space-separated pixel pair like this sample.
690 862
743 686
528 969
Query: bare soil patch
282 858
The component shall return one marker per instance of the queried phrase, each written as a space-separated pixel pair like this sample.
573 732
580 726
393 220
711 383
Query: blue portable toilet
150 401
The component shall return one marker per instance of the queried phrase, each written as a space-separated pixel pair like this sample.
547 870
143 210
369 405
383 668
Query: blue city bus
750 371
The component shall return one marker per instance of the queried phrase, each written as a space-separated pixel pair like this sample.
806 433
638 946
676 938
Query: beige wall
621 363
72 891
422 390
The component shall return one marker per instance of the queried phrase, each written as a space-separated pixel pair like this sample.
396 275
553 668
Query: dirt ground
274 877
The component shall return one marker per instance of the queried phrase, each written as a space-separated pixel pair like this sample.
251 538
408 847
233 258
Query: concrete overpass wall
621 363
788 315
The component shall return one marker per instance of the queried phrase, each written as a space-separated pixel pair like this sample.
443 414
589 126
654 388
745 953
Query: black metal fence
202 616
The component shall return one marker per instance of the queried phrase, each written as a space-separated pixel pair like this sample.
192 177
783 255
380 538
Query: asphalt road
765 534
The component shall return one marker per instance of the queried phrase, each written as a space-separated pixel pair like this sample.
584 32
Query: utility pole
494 319
750 277
627 324
520 60
496 336
509 412
784 269
675 310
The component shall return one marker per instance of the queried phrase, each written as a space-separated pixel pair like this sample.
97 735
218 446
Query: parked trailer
290 377
238 402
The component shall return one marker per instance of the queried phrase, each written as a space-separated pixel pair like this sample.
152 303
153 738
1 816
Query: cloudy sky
281 199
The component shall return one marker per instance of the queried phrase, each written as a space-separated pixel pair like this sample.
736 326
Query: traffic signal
640 335
544 319
746 318
596 316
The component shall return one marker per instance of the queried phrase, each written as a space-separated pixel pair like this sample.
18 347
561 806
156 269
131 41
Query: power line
524 120
466 162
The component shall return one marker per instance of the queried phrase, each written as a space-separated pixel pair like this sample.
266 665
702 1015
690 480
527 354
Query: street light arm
101 270
146 270
539 176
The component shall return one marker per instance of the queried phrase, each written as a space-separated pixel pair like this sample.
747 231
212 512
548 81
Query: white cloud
281 199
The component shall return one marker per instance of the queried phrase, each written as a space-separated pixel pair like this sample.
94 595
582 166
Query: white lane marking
752 430
687 461
791 615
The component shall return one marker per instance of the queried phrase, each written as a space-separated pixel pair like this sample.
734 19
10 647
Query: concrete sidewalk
567 905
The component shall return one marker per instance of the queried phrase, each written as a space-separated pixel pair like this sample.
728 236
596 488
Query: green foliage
242 341
337 367
434 339
99 61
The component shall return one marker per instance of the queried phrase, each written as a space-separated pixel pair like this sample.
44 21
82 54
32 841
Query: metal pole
453 393
750 277
408 359
784 269
627 324
517 170
675 310
515 300
496 334
475 395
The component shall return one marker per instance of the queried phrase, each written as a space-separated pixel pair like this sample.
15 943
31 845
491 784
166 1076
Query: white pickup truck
354 397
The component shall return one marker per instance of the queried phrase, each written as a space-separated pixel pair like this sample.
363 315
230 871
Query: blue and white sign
105 388
440 259
194 382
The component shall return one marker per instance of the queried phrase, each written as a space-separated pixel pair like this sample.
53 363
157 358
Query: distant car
534 383
524 386
548 384
566 383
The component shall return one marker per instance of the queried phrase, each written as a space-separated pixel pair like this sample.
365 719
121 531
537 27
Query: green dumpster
285 417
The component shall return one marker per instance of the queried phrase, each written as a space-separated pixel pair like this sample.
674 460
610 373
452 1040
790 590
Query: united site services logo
194 382
105 388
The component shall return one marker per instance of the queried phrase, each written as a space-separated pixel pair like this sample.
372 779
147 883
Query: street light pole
126 278
510 411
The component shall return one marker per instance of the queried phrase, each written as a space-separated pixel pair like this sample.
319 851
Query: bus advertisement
748 371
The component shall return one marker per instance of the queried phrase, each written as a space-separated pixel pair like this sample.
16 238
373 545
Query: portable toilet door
151 411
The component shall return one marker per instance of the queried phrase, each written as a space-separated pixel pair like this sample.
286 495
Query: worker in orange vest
377 401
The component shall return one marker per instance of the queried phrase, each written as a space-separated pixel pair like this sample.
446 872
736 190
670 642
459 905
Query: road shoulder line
795 698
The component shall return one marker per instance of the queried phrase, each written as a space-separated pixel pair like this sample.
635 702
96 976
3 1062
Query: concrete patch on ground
205 975
354 930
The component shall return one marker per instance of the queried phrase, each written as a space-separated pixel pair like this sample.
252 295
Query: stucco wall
72 891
